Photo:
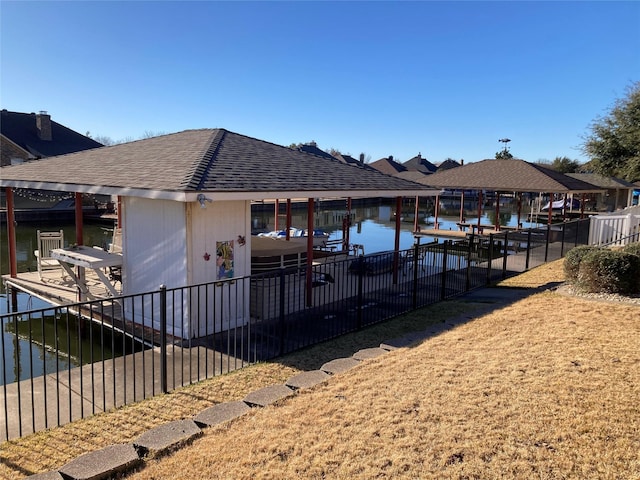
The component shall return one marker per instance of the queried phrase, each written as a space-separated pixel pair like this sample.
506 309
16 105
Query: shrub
572 261
632 248
609 271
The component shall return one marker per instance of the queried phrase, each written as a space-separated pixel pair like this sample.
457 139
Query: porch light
202 199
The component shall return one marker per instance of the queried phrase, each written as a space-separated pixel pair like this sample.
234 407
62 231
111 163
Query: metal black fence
59 364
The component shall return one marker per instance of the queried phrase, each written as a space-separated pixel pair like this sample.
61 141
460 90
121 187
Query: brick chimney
43 124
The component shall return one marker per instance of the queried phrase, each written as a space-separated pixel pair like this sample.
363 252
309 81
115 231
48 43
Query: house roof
447 164
313 148
220 163
21 129
420 164
602 181
509 175
388 165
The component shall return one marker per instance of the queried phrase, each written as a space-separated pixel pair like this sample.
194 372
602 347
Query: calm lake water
25 354
372 226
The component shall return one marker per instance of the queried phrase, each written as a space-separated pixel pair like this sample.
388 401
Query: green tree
503 154
613 145
564 165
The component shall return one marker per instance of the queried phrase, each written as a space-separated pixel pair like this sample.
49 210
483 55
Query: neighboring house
31 136
619 193
388 165
420 164
448 164
313 149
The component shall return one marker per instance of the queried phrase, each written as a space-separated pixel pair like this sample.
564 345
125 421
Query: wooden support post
11 234
479 209
396 245
79 220
309 270
497 225
288 217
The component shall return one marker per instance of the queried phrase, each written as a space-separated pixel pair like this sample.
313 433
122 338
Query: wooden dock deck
54 287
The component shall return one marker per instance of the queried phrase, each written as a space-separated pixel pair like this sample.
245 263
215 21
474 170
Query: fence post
416 259
361 274
578 225
564 228
443 284
163 338
489 258
281 308
504 255
546 247
469 252
526 263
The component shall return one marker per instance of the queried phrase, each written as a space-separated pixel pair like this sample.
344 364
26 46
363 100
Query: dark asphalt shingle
215 160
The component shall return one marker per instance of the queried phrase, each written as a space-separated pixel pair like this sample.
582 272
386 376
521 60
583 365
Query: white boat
299 235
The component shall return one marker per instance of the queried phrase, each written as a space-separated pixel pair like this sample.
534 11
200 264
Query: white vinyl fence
615 229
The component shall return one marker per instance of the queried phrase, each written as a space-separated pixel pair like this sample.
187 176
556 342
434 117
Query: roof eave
191 196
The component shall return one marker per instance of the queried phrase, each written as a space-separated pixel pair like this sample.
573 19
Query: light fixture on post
202 198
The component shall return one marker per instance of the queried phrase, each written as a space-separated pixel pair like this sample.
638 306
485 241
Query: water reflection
43 342
374 225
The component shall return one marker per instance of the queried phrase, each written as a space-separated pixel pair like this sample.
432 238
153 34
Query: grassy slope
534 390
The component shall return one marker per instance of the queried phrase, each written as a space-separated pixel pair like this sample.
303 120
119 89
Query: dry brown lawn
548 387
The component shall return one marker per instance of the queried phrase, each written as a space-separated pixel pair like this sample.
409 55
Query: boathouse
184 208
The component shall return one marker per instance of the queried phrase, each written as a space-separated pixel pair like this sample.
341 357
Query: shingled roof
388 165
602 181
420 164
224 164
21 129
509 175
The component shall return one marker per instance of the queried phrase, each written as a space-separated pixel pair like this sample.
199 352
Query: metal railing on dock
59 364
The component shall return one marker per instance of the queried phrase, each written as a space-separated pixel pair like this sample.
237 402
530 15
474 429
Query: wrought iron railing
59 364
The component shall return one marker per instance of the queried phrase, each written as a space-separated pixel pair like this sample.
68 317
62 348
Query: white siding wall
154 245
218 308
166 242
154 253
218 222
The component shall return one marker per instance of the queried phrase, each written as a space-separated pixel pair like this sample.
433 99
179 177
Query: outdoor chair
116 242
48 241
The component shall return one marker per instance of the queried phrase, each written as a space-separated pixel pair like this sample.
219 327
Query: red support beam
11 233
288 219
79 232
119 212
396 245
347 227
276 211
497 225
309 270
479 208
436 211
416 220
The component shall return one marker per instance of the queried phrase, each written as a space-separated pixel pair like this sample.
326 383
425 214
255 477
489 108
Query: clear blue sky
446 79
